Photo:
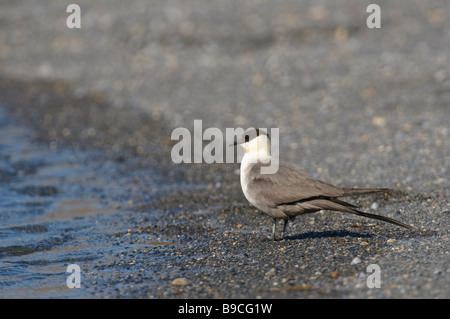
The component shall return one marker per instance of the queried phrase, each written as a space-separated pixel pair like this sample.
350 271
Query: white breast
248 161
246 166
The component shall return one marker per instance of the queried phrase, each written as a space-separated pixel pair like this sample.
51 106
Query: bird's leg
274 227
286 222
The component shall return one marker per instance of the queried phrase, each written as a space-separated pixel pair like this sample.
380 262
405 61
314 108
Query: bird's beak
234 144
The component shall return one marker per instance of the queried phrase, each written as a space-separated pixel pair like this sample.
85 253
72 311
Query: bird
289 191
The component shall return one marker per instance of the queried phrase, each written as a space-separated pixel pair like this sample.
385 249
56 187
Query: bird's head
255 141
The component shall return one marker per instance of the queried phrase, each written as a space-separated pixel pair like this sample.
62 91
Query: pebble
180 282
334 274
355 261
378 121
271 272
374 206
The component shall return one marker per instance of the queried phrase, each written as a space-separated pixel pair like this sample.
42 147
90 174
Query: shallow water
57 207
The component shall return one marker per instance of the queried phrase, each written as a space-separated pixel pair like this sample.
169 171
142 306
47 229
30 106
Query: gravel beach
86 175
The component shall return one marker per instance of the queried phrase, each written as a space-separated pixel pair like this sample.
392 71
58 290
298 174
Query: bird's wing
304 194
288 185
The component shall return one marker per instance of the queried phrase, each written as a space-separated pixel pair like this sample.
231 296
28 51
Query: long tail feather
383 218
341 206
362 191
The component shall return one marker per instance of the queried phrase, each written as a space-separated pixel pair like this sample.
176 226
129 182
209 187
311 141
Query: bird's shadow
327 234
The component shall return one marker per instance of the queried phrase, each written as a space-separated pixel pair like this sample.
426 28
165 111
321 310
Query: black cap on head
250 134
